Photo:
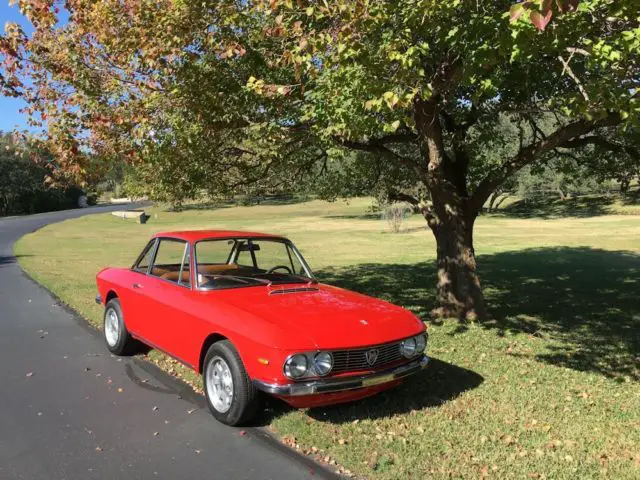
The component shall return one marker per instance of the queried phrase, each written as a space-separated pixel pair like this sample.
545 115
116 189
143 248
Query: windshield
244 262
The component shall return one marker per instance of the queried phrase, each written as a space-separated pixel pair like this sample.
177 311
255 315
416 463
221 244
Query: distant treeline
23 187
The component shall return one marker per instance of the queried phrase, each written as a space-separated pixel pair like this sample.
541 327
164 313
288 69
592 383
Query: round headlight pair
413 346
297 366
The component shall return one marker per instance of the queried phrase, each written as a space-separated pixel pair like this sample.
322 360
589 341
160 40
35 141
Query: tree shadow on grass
358 216
439 383
585 302
208 206
10 259
264 200
582 206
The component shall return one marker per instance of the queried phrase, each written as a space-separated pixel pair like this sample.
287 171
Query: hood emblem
371 356
364 322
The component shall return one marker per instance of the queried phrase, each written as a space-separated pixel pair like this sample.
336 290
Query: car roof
197 235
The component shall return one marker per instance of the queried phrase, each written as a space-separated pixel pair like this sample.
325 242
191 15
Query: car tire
222 364
116 335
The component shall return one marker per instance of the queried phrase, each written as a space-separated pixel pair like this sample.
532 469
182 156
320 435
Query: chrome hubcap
219 384
111 327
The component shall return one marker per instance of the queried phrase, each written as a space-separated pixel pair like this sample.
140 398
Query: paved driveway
70 410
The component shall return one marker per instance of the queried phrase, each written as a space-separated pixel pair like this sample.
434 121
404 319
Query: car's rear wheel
116 335
231 396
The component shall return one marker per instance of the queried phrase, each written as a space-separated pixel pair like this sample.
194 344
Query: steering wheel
278 267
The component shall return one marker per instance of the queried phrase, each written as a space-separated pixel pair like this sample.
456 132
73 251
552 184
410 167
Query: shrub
395 214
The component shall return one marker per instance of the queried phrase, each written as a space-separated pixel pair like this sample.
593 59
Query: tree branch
601 142
378 146
567 69
532 152
581 51
403 197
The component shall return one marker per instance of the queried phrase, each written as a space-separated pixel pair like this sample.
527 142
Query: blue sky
10 117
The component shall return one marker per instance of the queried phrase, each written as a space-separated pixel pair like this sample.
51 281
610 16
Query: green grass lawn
550 389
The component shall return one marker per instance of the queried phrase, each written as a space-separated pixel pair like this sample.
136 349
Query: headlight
296 366
408 347
323 363
421 343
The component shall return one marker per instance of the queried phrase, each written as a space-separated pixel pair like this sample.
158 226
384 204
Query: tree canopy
407 94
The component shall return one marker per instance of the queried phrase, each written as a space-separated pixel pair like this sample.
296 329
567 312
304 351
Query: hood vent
282 291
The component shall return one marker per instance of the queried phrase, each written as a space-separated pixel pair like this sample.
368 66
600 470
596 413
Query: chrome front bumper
330 385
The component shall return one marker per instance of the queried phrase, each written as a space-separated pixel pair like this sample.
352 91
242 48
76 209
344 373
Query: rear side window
172 261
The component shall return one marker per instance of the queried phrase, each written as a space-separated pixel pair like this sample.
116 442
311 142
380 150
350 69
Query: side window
172 261
145 258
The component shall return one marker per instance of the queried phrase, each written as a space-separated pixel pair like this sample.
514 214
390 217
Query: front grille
292 290
356 359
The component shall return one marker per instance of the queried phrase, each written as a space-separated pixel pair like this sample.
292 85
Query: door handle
136 285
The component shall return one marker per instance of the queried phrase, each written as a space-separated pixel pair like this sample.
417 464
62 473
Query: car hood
331 317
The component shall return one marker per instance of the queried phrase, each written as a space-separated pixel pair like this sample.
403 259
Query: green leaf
516 12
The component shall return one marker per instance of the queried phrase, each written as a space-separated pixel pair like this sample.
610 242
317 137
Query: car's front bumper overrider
330 385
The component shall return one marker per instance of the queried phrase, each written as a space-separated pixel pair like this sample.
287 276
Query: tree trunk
458 287
561 192
625 183
502 200
492 200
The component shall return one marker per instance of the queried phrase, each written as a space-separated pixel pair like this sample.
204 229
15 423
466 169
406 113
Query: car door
131 297
165 298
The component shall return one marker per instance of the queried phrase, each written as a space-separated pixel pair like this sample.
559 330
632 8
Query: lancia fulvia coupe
245 311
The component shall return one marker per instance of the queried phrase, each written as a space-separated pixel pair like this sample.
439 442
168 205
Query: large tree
233 93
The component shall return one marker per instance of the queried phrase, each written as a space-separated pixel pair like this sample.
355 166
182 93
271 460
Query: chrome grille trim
355 359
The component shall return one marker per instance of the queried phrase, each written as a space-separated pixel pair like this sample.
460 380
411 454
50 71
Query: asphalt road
70 410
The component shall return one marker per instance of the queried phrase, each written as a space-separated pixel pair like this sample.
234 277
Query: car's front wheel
231 396
116 335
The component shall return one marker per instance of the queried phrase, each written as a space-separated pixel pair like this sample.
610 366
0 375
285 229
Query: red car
245 311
